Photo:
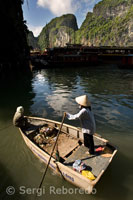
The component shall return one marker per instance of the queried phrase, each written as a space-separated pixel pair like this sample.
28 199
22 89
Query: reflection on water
110 92
48 94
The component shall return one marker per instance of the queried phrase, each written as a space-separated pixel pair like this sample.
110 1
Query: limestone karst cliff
110 24
58 32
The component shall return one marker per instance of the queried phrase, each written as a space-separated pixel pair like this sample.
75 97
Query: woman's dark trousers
89 142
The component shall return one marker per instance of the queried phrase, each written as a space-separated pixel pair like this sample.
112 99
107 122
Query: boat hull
60 169
68 174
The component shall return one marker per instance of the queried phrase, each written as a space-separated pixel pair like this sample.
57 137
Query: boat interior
70 146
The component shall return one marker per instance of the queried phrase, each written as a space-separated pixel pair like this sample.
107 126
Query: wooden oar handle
52 151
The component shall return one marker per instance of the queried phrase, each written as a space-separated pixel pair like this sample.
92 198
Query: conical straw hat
83 101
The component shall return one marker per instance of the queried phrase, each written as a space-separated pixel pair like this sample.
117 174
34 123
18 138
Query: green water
48 94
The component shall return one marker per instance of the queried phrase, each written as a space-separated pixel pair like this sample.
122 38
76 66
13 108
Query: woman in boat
19 120
87 121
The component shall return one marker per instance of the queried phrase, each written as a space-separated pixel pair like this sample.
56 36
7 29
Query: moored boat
70 148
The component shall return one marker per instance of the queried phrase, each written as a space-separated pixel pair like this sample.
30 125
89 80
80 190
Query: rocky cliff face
110 24
112 8
58 32
32 41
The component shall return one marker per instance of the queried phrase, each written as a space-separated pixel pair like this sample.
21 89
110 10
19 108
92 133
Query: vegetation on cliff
59 31
103 5
32 41
110 24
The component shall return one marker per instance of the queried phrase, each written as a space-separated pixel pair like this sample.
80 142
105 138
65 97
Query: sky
39 12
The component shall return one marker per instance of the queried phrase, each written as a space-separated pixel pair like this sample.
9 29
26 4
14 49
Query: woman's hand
65 114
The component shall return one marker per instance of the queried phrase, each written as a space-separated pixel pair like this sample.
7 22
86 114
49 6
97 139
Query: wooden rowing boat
71 148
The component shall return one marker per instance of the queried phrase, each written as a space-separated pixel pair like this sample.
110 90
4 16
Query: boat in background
77 55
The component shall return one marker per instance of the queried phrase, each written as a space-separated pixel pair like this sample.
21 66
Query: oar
52 151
